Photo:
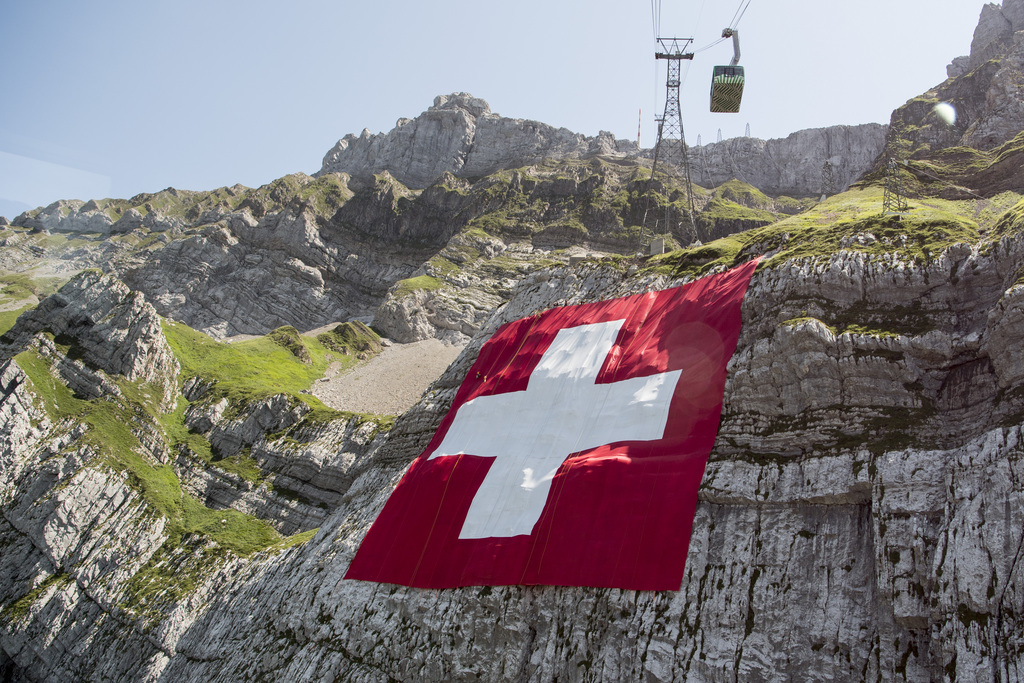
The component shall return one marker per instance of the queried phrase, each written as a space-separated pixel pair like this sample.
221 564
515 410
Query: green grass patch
178 434
721 210
421 283
477 233
498 223
744 194
793 322
16 286
351 339
851 221
8 318
18 609
233 530
288 338
250 370
442 268
110 434
296 539
698 261
241 464
929 227
172 203
179 567
1011 222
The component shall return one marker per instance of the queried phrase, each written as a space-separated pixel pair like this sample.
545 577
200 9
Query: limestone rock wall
97 579
995 31
460 135
793 165
859 519
243 276
308 467
112 328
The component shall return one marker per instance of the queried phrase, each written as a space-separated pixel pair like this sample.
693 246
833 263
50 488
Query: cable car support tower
671 145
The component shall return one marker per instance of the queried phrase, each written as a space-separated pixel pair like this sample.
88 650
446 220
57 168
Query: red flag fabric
573 451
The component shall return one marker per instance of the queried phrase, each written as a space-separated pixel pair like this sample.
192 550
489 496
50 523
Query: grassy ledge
110 421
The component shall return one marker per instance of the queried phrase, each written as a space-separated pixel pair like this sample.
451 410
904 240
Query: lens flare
946 112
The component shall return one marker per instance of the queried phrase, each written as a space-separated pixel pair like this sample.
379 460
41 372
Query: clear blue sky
112 98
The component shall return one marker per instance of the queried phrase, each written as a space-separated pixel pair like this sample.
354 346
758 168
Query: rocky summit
175 506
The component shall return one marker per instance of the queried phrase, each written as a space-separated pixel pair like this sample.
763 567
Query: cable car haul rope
727 81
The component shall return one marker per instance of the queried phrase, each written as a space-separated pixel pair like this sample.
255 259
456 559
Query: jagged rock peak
992 37
995 30
460 135
462 100
985 88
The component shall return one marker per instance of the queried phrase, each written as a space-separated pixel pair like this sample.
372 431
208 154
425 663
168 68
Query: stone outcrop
985 89
792 165
308 470
241 275
460 135
68 216
110 327
860 517
994 34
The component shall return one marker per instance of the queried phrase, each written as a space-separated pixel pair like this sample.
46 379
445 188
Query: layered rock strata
859 519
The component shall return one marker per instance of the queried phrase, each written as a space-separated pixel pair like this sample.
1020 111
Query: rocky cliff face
308 252
176 509
985 90
860 517
793 165
994 34
460 135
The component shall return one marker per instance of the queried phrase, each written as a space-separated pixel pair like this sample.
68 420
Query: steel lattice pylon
894 199
828 180
671 148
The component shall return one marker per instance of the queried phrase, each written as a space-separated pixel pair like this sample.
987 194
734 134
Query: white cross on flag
573 451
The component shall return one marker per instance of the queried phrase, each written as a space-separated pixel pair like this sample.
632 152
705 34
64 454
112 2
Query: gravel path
389 383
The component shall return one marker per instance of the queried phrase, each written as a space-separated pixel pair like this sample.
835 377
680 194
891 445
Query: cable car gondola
727 81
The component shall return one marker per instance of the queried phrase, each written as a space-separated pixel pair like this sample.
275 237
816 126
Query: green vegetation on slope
15 287
420 283
288 338
1011 222
252 370
324 195
853 221
249 371
8 318
351 339
110 421
18 609
241 464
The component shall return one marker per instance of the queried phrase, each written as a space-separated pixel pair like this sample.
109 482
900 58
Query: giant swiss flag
573 451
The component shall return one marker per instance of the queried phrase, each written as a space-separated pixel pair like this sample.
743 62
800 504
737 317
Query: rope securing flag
573 451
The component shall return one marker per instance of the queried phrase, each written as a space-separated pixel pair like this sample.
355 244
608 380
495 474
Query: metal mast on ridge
671 145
